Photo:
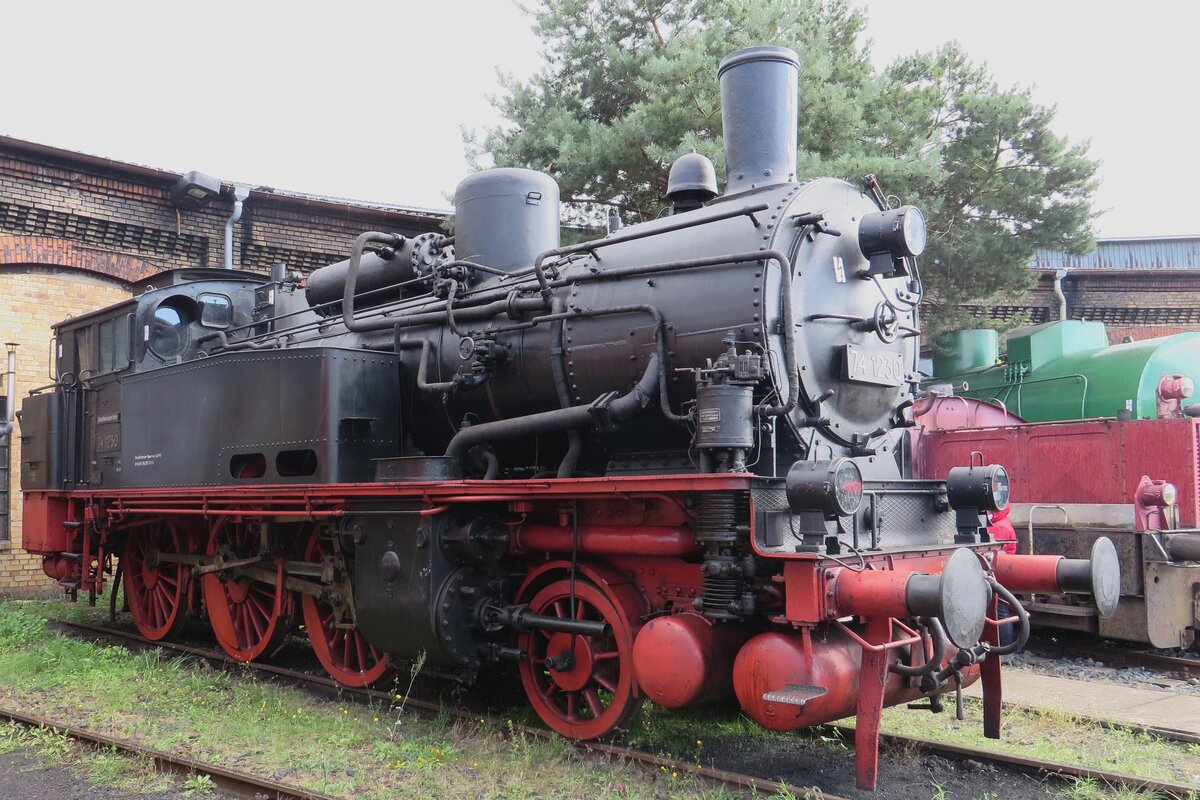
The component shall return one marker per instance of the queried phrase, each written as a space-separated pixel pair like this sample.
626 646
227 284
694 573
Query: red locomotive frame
841 629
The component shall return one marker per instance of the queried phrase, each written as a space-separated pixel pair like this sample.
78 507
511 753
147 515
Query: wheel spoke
593 701
360 651
605 682
571 713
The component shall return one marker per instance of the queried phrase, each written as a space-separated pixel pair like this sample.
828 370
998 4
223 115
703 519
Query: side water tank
505 217
968 349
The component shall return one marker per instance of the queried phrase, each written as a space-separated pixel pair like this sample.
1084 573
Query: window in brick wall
5 482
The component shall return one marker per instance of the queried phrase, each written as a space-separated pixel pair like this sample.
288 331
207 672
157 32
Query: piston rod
521 619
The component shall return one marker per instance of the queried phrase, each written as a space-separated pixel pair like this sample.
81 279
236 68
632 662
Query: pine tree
630 85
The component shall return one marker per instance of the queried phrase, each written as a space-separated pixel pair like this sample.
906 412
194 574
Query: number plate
880 367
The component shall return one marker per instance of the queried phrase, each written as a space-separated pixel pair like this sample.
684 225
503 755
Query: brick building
1144 287
75 230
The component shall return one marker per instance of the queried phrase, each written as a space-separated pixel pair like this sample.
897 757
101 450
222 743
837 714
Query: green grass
372 752
237 719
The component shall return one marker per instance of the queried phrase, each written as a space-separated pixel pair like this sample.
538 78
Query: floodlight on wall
194 190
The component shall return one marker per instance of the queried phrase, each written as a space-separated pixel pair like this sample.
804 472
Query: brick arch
54 252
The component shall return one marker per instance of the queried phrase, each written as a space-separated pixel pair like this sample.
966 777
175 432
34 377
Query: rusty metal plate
1171 591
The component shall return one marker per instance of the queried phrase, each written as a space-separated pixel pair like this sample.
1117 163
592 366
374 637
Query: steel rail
335 690
230 781
747 782
1037 765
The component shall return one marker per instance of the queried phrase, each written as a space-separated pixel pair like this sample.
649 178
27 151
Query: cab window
166 332
216 310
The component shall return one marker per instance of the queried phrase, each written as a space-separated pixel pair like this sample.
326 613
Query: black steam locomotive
667 463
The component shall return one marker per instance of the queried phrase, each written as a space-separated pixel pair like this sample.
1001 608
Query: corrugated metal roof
1160 252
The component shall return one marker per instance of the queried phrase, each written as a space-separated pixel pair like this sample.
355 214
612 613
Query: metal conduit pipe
10 388
240 193
1058 292
493 465
451 294
563 419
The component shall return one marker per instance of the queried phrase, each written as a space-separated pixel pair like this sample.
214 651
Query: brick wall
126 209
76 229
32 299
1138 303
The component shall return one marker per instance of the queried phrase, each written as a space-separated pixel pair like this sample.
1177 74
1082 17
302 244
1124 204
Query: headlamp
886 238
832 487
983 488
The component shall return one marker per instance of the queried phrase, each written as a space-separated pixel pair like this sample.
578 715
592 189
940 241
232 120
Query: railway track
738 781
230 781
1181 667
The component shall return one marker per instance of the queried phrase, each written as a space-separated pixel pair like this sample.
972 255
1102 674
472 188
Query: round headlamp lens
1000 488
847 487
914 231
1169 494
834 488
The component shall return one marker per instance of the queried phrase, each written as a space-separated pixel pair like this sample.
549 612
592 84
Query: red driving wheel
249 617
342 650
581 686
157 591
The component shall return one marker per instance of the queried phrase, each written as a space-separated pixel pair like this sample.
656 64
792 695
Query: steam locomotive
665 464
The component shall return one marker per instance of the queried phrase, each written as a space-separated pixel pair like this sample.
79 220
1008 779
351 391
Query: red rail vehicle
664 464
1133 482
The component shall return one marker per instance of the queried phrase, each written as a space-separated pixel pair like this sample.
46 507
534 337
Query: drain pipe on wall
1058 292
10 393
240 192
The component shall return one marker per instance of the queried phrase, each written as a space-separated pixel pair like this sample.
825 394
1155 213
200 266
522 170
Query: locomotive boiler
665 464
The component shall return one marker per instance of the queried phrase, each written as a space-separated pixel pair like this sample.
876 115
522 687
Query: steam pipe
566 467
563 419
240 193
1018 644
356 252
422 370
10 397
937 636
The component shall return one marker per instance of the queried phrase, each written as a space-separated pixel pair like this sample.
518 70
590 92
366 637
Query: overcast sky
366 100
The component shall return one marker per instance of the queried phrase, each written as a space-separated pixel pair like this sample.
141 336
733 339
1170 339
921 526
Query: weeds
413 671
199 786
